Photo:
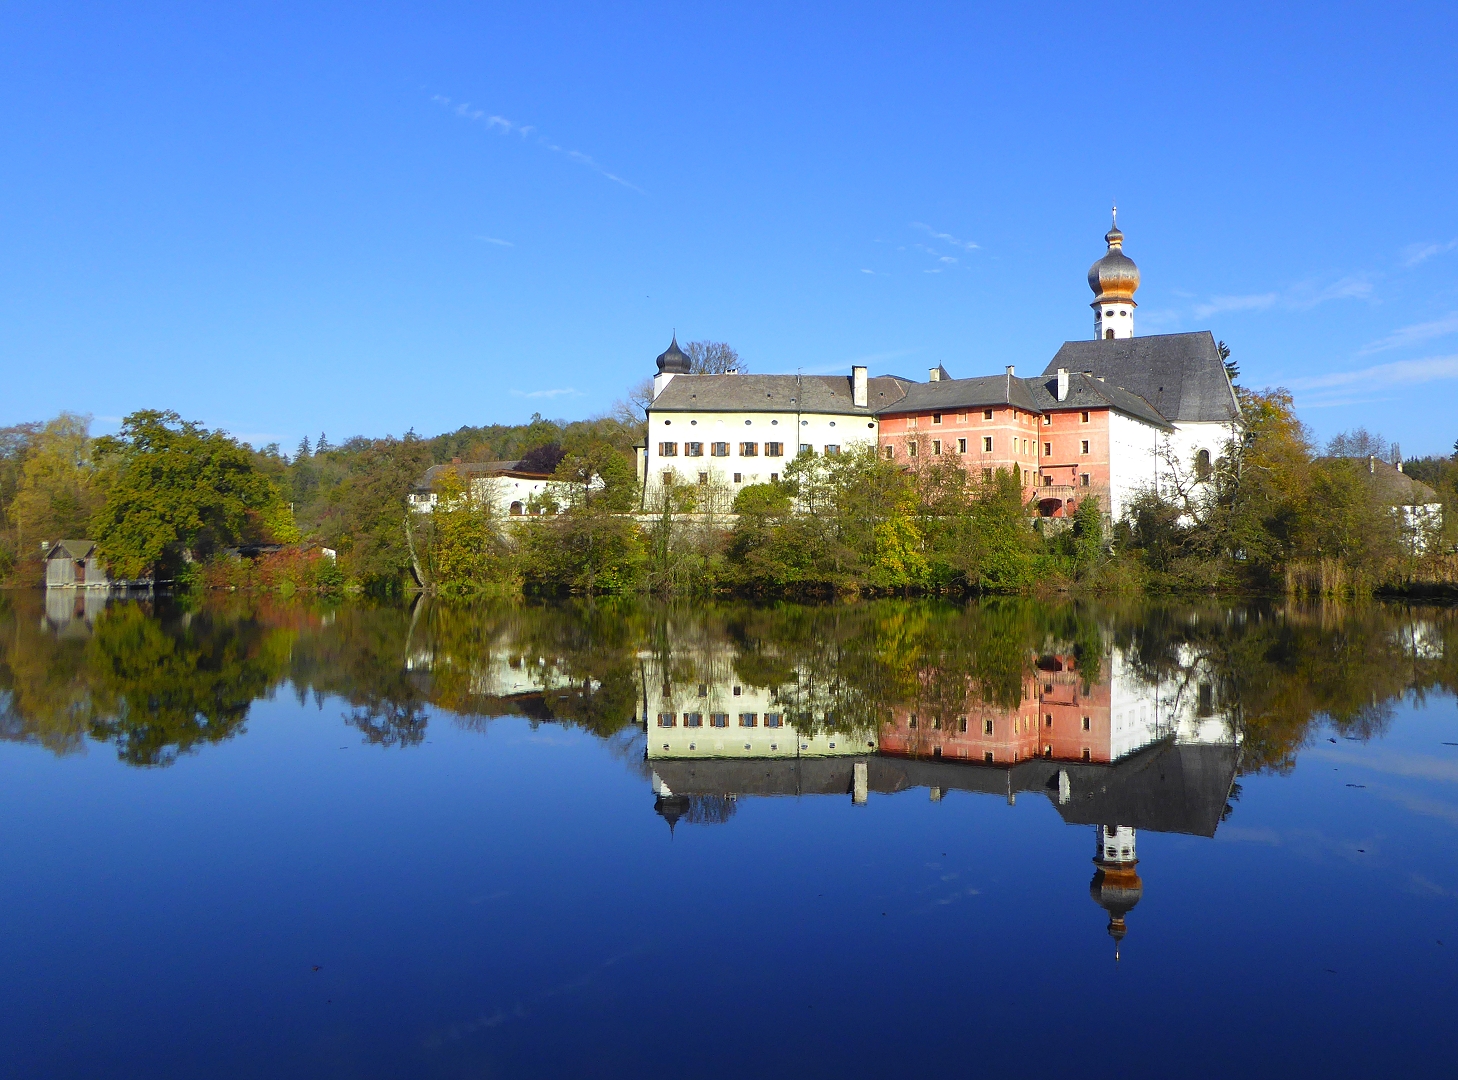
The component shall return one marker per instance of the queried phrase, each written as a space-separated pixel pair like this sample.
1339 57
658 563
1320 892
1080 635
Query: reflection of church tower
1113 280
1116 886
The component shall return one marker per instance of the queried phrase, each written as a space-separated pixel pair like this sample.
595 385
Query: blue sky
282 219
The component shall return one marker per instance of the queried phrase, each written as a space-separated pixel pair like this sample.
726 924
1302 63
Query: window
774 449
772 719
693 719
703 478
961 723
937 724
1083 447
890 452
986 476
987 757
987 414
987 727
774 478
911 448
1027 477
668 449
738 690
668 478
693 449
1047 481
1086 755
936 418
961 446
961 418
738 478
1085 723
1202 464
1047 449
831 449
719 719
718 449
806 448
1047 419
1083 480
748 719
1083 417
987 444
666 719
911 423
1047 719
703 689
1109 334
748 449
936 447
911 723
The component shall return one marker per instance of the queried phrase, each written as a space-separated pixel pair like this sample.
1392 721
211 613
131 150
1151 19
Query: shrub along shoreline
171 501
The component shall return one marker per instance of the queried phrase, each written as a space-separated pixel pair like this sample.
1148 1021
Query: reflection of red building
1060 717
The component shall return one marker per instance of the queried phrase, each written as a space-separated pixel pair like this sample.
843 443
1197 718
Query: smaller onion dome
1117 889
672 360
1114 277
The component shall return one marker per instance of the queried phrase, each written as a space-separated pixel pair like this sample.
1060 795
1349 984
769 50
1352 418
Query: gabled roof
78 550
1391 487
1181 375
776 393
977 393
1087 392
473 469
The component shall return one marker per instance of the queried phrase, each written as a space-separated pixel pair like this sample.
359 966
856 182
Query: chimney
1011 374
1063 384
859 387
935 374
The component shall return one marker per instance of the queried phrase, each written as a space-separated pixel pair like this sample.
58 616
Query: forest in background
167 499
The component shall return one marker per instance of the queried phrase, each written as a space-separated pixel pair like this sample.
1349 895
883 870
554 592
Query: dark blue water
505 896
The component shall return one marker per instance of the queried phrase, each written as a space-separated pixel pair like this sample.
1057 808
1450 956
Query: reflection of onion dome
1114 277
1116 888
671 807
672 360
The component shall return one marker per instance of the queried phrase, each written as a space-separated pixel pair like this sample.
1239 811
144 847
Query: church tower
1116 886
1113 280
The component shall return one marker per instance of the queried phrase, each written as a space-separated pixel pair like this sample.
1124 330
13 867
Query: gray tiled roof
1087 392
775 393
975 393
431 475
1181 375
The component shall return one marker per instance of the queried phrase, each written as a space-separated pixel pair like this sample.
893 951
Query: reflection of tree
160 683
160 688
387 723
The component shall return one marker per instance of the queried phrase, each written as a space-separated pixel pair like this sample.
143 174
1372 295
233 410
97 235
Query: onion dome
1114 277
1116 888
672 361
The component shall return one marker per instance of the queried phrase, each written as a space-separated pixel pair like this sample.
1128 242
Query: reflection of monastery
1108 749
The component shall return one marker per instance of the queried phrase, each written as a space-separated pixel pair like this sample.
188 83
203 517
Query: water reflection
1124 718
1110 742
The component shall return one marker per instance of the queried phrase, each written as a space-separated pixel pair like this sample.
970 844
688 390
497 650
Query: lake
247 838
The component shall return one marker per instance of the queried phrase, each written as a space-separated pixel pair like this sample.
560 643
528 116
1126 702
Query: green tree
57 493
175 492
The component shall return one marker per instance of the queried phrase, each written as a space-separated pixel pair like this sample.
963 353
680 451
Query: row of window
746 449
936 447
720 720
721 449
936 418
987 756
987 725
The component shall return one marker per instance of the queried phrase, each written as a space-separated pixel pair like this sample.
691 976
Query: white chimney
859 386
1063 384
1011 374
935 374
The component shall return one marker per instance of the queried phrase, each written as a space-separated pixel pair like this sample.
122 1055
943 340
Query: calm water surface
721 840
